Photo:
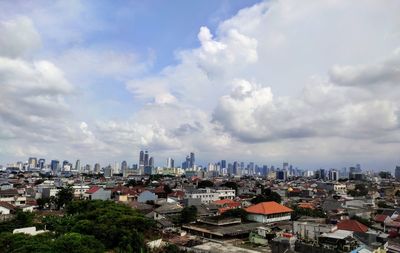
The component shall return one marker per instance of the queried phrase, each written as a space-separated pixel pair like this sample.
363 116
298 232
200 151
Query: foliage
359 190
231 185
364 221
298 212
188 214
382 204
21 219
167 189
133 183
64 197
77 243
205 184
115 225
267 195
47 242
236 213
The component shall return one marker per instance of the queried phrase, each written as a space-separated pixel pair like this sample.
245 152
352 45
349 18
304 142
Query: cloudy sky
314 83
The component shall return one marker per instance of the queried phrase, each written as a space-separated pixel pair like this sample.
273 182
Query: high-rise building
146 158
32 162
124 166
151 162
397 173
78 165
192 160
54 165
223 164
170 162
41 163
333 175
97 168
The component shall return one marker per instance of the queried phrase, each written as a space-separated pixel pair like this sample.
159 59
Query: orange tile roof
352 225
270 207
306 205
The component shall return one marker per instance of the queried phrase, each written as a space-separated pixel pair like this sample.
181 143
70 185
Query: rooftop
270 207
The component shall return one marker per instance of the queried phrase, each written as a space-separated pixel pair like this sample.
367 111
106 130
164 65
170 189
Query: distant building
397 173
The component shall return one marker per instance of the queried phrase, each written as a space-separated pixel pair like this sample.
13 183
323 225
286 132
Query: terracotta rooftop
93 189
352 225
380 218
266 208
7 205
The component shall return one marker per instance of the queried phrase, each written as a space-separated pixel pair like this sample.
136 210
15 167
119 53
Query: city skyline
242 81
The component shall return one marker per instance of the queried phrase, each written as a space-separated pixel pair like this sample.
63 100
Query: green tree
64 197
236 213
267 195
77 243
205 184
359 190
188 214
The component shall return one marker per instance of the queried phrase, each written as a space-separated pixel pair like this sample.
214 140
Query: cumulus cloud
18 37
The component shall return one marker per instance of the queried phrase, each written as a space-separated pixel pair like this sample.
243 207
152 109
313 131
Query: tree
42 202
64 197
267 195
167 189
231 185
359 190
188 214
77 243
236 213
205 184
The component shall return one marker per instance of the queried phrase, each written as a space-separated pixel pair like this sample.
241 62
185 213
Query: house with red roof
225 205
352 225
268 212
97 192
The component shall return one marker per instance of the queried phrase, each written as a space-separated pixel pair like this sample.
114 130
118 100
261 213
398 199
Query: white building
268 212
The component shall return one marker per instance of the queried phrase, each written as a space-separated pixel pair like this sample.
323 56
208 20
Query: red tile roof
266 208
7 205
352 225
93 189
380 218
224 201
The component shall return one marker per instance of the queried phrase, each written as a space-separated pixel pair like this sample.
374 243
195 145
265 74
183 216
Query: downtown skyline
251 81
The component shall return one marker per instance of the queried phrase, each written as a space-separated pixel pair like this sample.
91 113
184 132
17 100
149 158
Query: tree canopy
267 195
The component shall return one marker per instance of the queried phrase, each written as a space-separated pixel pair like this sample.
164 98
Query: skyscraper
192 160
32 162
146 158
397 173
41 163
78 165
151 162
170 162
54 165
223 164
124 166
97 168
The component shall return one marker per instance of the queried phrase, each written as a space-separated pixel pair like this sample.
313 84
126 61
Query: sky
312 83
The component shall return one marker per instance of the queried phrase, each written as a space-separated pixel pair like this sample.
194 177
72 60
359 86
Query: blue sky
251 80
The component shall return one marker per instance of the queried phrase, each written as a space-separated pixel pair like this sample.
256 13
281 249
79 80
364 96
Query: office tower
146 158
223 164
333 175
41 163
151 162
397 173
54 165
170 162
32 162
78 165
235 170
116 169
87 168
192 160
358 168
124 166
285 166
322 174
281 175
97 168
107 171
265 170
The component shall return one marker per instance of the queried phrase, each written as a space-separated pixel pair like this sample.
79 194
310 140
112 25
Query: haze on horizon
314 83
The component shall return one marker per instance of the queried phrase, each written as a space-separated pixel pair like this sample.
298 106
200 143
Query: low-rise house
6 208
97 192
147 196
267 212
